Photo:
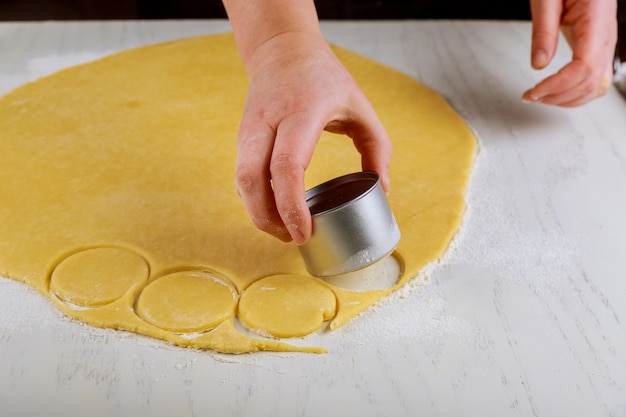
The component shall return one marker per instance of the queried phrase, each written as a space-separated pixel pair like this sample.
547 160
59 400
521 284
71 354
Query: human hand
590 28
298 88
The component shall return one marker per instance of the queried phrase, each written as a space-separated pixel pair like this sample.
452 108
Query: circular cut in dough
188 301
98 276
287 305
137 150
380 275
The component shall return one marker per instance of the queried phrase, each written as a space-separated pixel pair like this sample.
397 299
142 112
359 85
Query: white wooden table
524 316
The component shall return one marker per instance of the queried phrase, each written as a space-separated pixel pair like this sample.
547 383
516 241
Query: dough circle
187 301
287 305
98 276
134 154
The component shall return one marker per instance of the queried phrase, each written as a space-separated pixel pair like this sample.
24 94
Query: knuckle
386 146
589 70
283 163
380 146
540 33
290 212
586 69
244 179
589 87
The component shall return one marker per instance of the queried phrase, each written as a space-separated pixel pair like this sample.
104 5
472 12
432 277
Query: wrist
286 49
271 26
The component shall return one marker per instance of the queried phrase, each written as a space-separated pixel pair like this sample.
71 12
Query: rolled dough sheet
119 202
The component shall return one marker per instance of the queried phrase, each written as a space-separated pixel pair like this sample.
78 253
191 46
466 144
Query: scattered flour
23 308
492 236
495 237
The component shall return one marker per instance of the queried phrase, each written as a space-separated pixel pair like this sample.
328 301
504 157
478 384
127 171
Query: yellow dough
118 197
74 280
189 301
287 305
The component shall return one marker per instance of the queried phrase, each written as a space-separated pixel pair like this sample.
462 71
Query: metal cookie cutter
353 225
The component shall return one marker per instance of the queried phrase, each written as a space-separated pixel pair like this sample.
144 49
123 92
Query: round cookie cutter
353 225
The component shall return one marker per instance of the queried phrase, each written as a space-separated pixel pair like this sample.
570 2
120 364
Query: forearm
255 22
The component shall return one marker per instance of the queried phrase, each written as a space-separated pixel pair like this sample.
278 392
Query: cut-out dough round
187 301
137 150
287 305
98 276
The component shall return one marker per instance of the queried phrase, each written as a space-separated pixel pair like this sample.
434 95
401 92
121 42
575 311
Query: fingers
372 142
253 184
276 199
591 30
295 142
270 170
293 97
271 166
575 84
546 16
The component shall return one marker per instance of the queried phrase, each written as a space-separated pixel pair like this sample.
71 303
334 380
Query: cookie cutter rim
353 226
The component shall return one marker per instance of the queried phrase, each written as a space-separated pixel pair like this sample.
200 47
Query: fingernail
296 234
531 96
539 59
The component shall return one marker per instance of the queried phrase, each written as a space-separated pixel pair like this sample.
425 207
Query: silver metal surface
353 225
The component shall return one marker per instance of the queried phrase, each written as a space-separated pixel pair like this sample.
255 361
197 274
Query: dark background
327 9
202 9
